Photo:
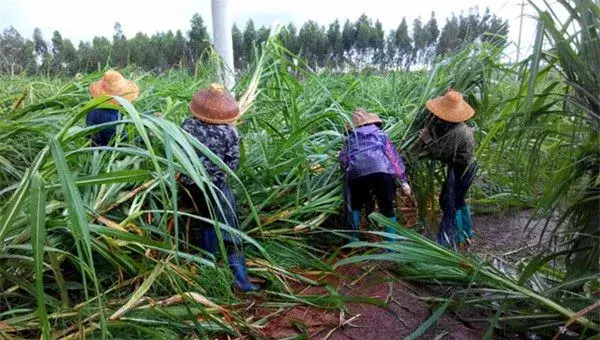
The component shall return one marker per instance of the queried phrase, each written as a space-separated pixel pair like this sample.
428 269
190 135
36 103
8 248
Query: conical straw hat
114 84
362 117
451 107
215 105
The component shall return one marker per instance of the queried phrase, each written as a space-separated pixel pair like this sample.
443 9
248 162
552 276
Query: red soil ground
401 311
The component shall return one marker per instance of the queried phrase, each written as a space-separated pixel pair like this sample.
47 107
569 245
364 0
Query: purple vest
365 150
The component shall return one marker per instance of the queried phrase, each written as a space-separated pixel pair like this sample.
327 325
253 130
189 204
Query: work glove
424 135
406 189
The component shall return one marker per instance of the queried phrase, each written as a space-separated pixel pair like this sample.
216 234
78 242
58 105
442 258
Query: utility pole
520 30
222 40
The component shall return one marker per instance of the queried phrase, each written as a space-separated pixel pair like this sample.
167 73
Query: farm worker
371 167
214 111
111 84
450 140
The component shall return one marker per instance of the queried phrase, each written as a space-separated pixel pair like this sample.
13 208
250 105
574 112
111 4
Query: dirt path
401 311
497 235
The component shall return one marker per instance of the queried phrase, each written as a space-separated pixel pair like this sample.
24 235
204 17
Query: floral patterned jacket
222 140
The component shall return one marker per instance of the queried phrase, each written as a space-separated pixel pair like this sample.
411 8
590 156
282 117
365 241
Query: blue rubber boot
391 230
356 215
467 223
208 239
237 263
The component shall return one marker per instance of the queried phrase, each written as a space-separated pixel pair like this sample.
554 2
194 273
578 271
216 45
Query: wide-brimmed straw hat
215 105
114 84
362 117
451 107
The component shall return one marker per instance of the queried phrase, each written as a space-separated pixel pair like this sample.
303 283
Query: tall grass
87 245
575 55
553 123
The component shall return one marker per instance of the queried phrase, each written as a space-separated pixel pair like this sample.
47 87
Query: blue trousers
456 217
201 233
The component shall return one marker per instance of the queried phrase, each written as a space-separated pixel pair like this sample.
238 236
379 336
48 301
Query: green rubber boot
467 223
356 215
391 230
460 233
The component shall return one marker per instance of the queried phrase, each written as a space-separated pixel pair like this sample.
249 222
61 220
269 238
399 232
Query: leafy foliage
86 243
359 44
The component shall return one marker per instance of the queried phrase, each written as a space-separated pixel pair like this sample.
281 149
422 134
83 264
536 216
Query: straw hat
215 105
361 117
114 84
451 107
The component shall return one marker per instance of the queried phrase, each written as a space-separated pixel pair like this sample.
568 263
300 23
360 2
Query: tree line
355 44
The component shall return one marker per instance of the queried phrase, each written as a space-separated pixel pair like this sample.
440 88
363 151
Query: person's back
451 142
366 152
101 116
221 139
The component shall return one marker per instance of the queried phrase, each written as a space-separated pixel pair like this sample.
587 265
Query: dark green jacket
457 145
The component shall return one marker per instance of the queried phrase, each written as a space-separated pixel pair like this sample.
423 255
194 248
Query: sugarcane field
232 169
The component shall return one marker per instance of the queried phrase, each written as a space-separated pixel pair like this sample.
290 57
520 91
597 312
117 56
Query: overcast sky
83 19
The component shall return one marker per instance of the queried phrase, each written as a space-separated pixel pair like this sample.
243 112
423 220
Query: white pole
520 30
222 40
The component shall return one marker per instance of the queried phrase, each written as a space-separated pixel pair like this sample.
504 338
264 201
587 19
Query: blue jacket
100 116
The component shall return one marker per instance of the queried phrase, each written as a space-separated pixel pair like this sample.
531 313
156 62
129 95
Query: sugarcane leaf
416 334
38 236
536 263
